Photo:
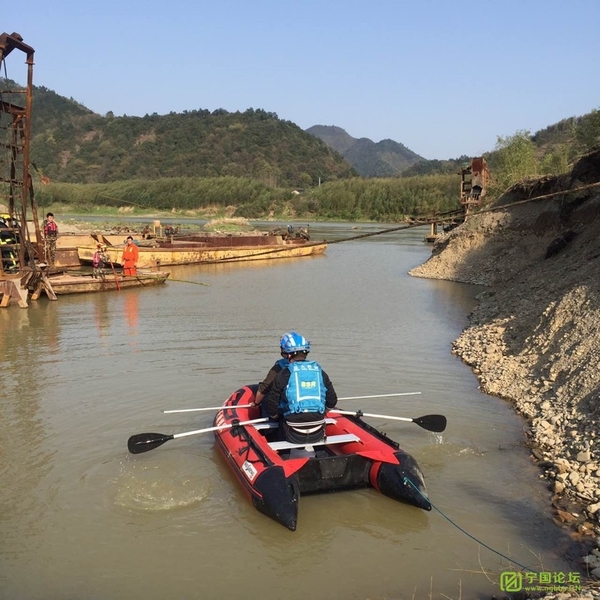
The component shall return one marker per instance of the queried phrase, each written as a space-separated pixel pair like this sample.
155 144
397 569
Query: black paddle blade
435 423
144 442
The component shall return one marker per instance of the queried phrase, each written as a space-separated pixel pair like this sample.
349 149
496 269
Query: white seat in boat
275 424
330 439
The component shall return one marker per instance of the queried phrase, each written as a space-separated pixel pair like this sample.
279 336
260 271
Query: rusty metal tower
473 183
16 185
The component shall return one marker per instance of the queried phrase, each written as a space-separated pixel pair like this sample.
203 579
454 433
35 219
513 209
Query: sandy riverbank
534 338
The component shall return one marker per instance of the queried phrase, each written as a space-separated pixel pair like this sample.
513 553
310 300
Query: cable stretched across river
364 235
454 215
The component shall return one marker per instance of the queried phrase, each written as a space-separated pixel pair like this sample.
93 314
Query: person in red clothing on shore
130 258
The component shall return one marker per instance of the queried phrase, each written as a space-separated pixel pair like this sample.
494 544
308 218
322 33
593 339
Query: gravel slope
534 338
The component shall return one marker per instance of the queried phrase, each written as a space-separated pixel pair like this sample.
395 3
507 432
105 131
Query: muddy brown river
83 518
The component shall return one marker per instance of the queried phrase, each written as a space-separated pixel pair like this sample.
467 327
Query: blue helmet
293 342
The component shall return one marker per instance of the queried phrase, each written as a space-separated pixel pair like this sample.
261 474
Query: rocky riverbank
534 338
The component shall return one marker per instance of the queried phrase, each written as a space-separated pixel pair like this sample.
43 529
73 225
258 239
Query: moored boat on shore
210 250
66 283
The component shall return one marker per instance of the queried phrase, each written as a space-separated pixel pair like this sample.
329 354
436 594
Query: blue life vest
305 391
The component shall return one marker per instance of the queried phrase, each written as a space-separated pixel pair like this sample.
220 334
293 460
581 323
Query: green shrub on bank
390 199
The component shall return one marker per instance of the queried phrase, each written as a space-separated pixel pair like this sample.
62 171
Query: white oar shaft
381 396
364 414
183 410
218 428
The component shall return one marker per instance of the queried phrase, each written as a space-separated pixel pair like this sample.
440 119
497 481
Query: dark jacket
265 385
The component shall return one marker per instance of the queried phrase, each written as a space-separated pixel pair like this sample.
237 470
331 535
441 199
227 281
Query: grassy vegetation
385 200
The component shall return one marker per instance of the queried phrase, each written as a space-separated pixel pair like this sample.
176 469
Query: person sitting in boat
300 394
99 261
264 387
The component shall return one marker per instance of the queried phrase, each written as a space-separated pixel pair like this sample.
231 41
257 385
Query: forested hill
251 163
382 159
70 143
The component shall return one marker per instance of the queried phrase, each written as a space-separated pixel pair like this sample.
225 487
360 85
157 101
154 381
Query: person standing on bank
300 394
50 235
130 258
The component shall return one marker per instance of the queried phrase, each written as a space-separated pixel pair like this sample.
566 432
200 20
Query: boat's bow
403 481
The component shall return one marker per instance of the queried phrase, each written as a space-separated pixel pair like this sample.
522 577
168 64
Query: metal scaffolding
20 256
15 134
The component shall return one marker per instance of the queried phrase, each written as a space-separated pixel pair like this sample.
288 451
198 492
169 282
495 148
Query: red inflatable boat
274 474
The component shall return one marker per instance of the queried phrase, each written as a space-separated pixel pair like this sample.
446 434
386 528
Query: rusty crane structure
473 184
20 255
474 180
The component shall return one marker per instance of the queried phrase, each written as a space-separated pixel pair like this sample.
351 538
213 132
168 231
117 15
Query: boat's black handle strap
262 457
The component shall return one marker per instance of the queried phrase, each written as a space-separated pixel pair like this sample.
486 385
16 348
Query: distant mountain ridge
386 158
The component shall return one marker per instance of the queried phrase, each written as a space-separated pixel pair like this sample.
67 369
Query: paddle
382 396
144 442
435 423
113 270
182 410
115 274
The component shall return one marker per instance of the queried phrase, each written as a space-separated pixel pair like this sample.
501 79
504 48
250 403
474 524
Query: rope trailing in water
408 481
187 281
150 276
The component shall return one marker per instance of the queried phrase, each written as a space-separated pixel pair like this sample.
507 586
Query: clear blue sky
443 78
